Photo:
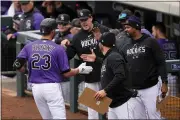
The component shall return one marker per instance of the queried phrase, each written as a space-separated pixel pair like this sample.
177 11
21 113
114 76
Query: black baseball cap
84 14
75 23
124 15
23 2
63 18
134 22
108 39
47 25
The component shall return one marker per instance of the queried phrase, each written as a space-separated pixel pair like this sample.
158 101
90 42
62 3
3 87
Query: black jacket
82 43
145 61
113 78
28 20
61 36
122 41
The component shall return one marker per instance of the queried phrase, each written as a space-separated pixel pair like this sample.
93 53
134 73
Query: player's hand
89 57
83 69
65 42
9 36
97 33
100 94
45 3
164 90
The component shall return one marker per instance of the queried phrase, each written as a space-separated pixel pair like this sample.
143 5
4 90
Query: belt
43 82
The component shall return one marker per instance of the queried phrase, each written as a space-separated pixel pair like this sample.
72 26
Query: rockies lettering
135 51
88 42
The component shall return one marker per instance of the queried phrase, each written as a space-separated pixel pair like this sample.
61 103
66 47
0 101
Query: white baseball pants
92 114
132 109
149 97
49 100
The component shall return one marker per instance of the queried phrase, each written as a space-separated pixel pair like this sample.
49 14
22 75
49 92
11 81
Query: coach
146 62
125 103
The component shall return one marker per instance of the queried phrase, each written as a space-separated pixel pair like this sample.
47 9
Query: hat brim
126 24
60 21
83 18
24 2
121 20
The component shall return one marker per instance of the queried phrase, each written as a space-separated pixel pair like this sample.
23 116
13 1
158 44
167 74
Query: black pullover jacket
82 43
113 78
145 62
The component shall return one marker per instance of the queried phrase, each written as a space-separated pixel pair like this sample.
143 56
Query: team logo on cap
62 17
81 13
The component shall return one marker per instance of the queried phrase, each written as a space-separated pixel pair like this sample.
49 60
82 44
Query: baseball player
113 81
169 46
145 62
170 51
47 65
63 22
82 43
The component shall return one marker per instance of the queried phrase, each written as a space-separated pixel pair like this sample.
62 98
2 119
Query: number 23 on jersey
37 64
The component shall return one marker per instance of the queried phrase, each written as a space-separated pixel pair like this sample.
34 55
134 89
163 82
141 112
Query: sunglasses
62 23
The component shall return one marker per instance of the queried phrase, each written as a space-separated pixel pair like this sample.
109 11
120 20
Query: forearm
161 66
162 71
72 72
159 59
70 51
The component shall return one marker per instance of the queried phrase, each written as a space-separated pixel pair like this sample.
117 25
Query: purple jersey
145 31
169 48
46 61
